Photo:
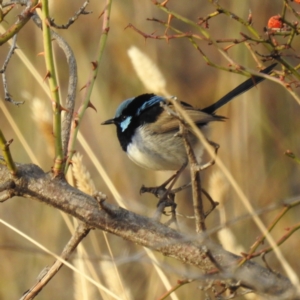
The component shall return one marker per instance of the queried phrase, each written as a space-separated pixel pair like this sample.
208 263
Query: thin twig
179 284
262 238
4 145
195 174
10 53
196 183
48 273
23 18
279 242
81 11
90 83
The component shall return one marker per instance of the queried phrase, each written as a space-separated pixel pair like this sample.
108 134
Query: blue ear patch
124 124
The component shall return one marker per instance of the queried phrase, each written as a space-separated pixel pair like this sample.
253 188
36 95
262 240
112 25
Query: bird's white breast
159 151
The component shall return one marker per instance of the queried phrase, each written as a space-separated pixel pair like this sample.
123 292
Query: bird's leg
161 191
157 190
167 199
162 204
211 162
181 188
213 203
166 196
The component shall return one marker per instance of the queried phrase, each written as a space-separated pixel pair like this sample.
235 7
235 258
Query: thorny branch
269 43
70 101
72 84
22 19
7 157
34 184
86 103
95 217
81 11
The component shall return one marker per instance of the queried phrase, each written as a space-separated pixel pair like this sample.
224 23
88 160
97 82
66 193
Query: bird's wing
167 122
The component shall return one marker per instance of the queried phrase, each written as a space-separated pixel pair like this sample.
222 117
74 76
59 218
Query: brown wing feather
167 122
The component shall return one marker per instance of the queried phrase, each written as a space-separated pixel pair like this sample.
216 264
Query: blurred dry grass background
262 124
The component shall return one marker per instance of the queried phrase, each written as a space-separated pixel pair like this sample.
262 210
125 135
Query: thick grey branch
33 183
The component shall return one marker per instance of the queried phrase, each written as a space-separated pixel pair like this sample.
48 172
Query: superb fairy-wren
147 131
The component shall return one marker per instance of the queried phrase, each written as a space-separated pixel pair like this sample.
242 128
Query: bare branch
81 11
48 273
11 51
33 183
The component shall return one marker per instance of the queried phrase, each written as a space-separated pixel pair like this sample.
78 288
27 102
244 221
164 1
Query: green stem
91 81
4 145
23 18
290 154
266 44
51 74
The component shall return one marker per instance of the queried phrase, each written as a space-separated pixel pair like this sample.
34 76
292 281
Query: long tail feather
242 88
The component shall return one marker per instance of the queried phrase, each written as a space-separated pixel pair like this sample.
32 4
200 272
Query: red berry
275 21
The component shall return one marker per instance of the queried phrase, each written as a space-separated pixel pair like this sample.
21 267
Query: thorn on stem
94 65
76 122
90 104
63 109
164 3
83 87
56 89
8 143
48 22
39 5
48 75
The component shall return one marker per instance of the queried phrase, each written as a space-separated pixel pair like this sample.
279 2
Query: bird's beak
107 122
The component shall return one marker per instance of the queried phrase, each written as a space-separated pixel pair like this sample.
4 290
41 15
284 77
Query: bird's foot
162 204
166 196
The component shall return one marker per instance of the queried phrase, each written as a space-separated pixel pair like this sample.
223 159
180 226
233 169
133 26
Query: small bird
147 131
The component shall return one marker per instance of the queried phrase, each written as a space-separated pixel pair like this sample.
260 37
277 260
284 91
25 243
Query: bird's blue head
133 113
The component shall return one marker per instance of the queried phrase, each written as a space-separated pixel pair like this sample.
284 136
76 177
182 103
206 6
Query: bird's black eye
123 117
